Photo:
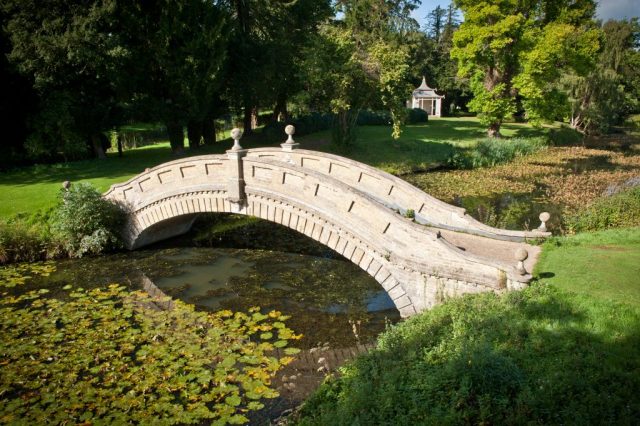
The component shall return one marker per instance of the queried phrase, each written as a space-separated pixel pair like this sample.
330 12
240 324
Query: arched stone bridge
356 210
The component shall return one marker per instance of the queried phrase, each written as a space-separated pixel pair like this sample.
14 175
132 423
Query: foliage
86 222
178 71
383 118
74 57
490 152
393 81
508 48
609 92
617 211
24 241
107 356
17 275
360 62
542 355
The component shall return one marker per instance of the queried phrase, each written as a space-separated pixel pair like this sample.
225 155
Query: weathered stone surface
352 208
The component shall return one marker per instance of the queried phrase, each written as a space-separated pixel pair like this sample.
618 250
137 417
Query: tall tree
267 37
374 31
72 53
605 96
178 50
510 48
436 22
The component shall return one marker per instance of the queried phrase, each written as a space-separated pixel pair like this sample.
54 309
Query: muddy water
329 300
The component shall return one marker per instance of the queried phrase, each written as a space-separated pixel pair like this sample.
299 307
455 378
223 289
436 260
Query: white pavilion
426 98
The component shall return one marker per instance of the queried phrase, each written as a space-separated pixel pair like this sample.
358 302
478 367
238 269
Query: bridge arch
415 264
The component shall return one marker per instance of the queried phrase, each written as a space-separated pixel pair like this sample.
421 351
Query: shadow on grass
539 356
133 162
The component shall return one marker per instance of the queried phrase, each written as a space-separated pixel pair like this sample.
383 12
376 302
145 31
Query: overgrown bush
540 356
565 136
417 116
21 241
618 211
491 151
383 118
85 222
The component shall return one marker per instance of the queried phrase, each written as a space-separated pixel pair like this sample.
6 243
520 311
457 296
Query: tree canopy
511 50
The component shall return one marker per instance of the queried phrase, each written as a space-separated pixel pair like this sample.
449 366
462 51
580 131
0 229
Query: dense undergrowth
540 356
491 151
617 211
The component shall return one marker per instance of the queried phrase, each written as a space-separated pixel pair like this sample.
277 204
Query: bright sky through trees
607 9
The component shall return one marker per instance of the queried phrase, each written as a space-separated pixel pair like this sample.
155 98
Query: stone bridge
421 250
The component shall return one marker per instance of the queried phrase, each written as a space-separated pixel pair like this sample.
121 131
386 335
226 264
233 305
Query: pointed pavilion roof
425 91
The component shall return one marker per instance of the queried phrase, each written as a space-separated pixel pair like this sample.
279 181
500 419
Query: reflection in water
323 296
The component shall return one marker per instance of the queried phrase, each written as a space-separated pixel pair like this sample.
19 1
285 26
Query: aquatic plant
111 356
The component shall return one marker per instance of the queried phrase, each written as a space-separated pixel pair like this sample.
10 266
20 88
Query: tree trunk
209 131
96 144
176 137
494 130
280 112
254 118
194 133
119 145
246 121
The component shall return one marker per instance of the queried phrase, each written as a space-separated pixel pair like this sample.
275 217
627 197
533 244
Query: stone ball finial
544 218
236 134
66 185
521 255
290 130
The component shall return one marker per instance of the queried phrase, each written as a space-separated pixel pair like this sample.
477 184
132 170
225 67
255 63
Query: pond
512 211
330 300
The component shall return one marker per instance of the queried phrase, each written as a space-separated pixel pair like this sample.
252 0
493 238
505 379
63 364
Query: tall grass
489 152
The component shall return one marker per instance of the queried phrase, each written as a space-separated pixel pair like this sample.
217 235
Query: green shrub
617 211
539 356
21 241
417 116
565 136
374 118
86 222
491 151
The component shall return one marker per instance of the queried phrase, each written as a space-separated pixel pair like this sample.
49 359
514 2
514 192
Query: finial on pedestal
236 134
544 218
521 255
290 130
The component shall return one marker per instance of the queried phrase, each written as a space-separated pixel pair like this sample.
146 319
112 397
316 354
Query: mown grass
604 265
421 146
564 351
34 188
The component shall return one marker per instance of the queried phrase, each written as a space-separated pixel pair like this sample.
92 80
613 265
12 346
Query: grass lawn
421 146
605 264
